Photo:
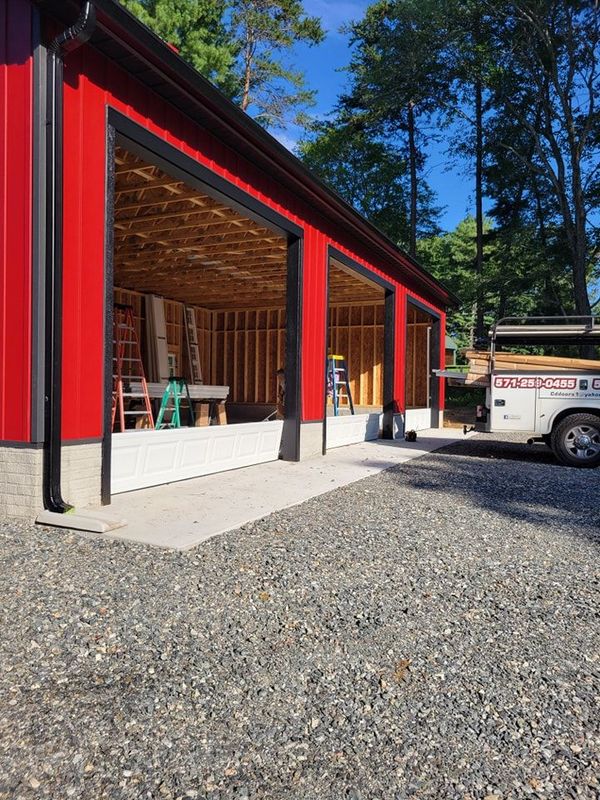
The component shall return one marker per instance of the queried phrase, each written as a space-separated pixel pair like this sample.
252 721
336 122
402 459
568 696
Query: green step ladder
176 390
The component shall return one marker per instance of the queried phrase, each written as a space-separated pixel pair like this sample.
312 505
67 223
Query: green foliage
264 30
545 86
398 79
371 175
241 45
451 258
460 397
197 29
397 63
521 277
510 88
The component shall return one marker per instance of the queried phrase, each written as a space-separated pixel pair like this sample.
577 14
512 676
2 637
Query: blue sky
323 67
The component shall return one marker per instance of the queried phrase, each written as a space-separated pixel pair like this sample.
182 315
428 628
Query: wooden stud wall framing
244 349
204 323
356 332
136 301
417 379
174 322
175 331
248 347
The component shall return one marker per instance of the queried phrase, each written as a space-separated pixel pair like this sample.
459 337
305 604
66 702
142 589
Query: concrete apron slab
183 514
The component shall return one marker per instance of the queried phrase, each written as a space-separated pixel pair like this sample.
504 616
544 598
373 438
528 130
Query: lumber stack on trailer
479 365
479 368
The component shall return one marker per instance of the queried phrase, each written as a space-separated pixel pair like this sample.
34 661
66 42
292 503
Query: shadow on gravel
506 451
520 482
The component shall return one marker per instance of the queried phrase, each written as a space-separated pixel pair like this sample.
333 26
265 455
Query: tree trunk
579 247
246 92
248 53
412 155
479 296
578 241
502 304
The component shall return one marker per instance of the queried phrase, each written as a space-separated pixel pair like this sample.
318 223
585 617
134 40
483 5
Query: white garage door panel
149 458
417 419
129 458
249 445
160 458
352 429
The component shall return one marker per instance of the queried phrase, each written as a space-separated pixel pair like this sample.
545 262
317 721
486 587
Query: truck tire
576 440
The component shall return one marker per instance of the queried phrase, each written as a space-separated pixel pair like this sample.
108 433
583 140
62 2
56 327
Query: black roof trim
124 39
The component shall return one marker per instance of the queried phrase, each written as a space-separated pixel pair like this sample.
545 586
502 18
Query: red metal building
112 146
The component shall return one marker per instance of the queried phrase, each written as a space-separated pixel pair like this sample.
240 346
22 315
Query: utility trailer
557 400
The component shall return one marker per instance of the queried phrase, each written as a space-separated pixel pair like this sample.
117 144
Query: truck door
513 402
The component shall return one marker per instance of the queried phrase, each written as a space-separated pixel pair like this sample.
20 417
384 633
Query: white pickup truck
560 405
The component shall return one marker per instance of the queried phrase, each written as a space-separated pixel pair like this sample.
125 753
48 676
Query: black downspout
67 41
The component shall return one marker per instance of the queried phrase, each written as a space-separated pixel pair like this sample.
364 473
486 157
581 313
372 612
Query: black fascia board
216 111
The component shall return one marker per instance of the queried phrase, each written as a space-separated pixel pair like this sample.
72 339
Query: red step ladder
128 369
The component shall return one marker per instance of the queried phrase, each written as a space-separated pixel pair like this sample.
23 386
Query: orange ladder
128 367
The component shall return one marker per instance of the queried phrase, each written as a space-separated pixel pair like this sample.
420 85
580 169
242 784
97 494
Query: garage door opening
422 356
203 290
355 359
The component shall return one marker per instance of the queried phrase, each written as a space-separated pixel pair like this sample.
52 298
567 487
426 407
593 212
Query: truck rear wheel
576 440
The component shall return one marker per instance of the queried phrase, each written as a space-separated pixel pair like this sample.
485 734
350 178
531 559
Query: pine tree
398 81
198 30
264 31
370 175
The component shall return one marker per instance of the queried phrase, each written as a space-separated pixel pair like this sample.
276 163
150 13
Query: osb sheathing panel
244 349
356 332
248 347
417 340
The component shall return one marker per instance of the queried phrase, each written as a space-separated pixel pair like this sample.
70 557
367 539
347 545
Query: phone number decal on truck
536 382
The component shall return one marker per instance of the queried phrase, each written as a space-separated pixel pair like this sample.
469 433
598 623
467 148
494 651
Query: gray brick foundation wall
20 482
81 473
21 478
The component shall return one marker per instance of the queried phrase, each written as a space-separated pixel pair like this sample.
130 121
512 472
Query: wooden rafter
161 223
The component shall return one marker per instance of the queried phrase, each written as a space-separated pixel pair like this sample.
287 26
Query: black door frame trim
435 344
109 303
38 227
389 338
122 130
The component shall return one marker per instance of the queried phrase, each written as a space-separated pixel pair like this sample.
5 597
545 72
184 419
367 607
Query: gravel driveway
429 632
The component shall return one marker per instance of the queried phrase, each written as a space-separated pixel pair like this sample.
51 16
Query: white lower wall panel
148 458
352 429
417 419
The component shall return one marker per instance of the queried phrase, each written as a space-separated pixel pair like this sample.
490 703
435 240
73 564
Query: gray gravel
430 632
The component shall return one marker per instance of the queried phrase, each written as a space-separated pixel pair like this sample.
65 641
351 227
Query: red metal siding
15 220
399 371
92 83
314 314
